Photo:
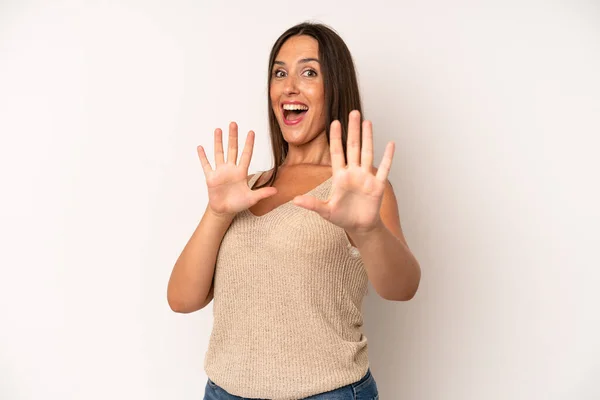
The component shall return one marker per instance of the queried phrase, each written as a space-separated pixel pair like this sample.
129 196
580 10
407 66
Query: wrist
224 217
360 236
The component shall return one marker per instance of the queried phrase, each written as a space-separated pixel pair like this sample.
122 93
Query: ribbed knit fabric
287 305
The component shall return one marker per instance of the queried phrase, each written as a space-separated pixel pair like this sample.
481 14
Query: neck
315 152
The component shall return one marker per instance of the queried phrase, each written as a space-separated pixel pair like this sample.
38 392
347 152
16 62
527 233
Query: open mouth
294 113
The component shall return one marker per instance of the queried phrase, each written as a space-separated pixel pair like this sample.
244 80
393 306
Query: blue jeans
364 389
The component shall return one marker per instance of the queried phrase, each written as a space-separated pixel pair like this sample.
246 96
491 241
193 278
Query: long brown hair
339 80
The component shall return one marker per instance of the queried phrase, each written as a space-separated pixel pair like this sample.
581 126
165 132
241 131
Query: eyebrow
304 60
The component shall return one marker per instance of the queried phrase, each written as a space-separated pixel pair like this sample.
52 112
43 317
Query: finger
336 149
219 156
232 144
386 163
263 193
353 146
204 161
366 155
313 204
247 152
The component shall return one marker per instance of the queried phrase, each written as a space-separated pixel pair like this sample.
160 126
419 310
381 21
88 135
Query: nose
290 85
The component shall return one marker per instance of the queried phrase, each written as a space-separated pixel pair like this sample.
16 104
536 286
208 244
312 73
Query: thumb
263 193
313 204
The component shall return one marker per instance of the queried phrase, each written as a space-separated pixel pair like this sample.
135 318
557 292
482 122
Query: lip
295 122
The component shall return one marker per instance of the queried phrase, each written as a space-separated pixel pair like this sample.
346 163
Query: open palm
357 192
228 190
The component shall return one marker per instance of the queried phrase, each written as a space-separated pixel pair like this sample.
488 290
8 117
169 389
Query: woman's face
297 92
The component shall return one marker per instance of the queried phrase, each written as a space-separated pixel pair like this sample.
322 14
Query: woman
287 254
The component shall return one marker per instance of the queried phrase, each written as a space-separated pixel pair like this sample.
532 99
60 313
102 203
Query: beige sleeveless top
287 305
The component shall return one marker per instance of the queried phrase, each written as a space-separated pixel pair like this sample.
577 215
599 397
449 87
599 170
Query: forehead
298 47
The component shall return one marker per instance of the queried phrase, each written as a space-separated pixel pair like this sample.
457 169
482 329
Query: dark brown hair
339 80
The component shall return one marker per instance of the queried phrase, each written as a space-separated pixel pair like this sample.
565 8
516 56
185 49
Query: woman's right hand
228 190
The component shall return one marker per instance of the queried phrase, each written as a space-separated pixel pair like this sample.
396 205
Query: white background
495 111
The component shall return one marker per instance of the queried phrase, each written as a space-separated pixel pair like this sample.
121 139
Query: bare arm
190 286
392 268
363 203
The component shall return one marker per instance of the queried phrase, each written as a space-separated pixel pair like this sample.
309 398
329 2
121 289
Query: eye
279 73
310 73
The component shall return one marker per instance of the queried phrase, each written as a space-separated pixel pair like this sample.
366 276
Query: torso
287 281
291 181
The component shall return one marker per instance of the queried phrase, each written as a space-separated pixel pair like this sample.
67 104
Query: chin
294 133
296 138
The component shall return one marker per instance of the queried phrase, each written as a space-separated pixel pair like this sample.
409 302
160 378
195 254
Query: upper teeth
295 107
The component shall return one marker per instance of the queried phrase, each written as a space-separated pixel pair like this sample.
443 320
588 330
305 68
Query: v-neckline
247 210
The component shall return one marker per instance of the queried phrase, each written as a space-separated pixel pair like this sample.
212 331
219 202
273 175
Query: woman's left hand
357 192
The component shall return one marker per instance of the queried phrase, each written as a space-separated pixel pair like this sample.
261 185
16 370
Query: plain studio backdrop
494 108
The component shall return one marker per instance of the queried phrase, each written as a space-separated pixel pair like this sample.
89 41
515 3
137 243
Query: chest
287 189
289 247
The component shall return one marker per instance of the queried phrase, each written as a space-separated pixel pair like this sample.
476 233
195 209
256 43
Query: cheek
318 102
274 99
275 91
271 94
316 94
